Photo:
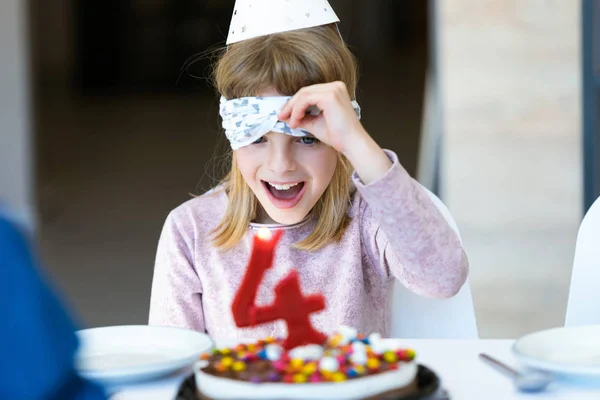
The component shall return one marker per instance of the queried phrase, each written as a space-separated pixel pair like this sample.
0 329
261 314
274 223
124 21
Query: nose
281 159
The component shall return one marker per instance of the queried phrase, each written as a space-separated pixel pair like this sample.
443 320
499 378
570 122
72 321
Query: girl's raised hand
336 125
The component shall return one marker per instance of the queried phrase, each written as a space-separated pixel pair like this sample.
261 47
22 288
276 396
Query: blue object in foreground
37 339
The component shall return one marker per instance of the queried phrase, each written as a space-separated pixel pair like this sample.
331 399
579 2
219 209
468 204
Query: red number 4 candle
290 304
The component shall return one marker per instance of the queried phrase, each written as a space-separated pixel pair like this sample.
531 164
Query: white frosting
354 389
359 347
347 333
329 364
379 345
374 337
359 357
273 352
308 352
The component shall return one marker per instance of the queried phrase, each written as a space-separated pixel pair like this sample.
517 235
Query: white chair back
415 316
583 306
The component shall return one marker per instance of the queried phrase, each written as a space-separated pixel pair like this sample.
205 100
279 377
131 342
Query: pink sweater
396 233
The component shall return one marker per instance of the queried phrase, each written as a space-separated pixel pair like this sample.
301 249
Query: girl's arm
404 234
176 288
403 231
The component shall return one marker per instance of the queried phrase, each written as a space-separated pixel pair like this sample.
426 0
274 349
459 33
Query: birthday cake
307 364
347 366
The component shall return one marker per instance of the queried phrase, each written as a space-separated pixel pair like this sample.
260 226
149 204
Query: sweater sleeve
176 298
407 237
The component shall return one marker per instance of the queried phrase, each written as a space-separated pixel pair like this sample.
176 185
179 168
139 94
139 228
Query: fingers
320 96
307 124
296 109
286 111
300 109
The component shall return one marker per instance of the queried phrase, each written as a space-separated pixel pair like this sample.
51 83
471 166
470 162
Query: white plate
126 354
573 350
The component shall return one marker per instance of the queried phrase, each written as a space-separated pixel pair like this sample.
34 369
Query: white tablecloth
455 361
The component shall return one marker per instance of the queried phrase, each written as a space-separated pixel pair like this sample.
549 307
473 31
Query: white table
455 361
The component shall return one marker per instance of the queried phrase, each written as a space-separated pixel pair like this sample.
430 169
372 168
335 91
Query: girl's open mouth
284 195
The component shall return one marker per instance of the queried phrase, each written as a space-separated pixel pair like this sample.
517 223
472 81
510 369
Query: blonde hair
285 62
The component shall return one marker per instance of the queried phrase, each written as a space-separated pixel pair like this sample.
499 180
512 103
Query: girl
349 234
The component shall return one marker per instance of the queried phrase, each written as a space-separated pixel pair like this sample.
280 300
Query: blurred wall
52 40
15 140
511 76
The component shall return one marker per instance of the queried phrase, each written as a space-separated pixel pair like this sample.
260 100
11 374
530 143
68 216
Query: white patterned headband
247 119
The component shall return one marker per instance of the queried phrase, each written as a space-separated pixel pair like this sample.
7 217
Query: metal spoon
529 381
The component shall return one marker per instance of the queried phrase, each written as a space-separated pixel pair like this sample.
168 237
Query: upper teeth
282 187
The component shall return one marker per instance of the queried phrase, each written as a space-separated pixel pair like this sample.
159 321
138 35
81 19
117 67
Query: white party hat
254 18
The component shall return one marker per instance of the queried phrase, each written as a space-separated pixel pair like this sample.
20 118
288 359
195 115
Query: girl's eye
259 140
308 140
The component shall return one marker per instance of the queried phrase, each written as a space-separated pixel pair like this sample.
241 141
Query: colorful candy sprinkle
338 377
359 369
273 377
309 369
227 362
347 355
238 366
221 368
299 378
280 366
390 357
327 375
352 373
335 340
373 363
240 347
